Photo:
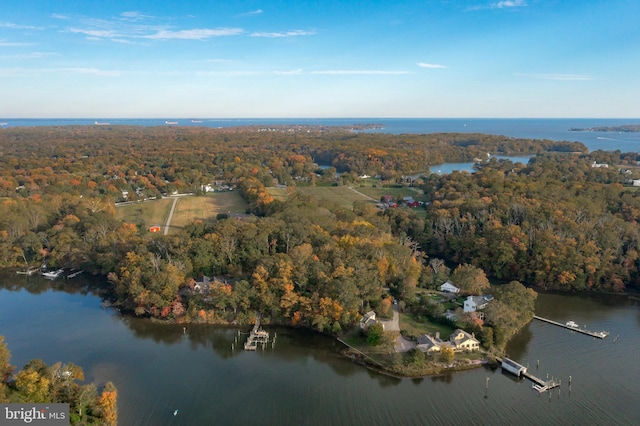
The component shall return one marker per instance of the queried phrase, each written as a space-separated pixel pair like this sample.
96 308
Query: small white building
448 287
368 320
513 367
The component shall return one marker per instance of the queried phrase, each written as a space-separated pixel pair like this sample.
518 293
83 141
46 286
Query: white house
368 320
475 303
449 288
460 341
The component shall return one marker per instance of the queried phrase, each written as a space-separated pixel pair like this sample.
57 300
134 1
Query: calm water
552 129
158 368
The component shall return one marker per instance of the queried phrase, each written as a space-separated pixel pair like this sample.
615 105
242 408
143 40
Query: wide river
160 368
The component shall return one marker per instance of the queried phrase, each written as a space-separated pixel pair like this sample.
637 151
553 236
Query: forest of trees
556 223
40 383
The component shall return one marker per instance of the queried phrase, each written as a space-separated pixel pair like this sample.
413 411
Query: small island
627 128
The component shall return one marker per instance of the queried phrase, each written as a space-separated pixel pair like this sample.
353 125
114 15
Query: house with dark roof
429 344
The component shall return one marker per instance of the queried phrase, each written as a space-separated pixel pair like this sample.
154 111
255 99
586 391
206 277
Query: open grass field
396 193
341 196
147 213
188 209
206 208
415 328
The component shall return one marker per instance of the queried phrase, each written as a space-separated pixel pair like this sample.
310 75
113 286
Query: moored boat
52 275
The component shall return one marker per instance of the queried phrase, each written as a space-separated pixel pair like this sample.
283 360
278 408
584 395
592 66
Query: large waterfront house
459 341
448 287
476 303
462 341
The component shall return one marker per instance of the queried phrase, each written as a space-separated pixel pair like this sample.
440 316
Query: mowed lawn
147 213
188 209
396 193
341 196
206 208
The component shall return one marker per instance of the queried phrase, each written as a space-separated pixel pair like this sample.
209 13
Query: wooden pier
256 335
520 370
598 334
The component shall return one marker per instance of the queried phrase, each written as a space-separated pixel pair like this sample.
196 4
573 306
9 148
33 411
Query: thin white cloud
33 55
291 72
293 33
228 73
218 61
194 34
60 16
431 66
13 26
504 4
4 43
252 13
22 72
561 77
508 3
361 72
96 33
134 16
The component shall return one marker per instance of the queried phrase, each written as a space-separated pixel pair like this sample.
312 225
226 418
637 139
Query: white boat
3 124
170 122
196 121
52 275
101 123
540 388
571 324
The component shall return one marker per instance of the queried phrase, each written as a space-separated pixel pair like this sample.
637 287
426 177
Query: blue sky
292 58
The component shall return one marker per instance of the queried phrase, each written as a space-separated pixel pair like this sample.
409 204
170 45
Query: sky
318 59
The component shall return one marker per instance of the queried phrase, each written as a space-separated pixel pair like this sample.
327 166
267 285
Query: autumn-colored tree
447 354
470 279
107 404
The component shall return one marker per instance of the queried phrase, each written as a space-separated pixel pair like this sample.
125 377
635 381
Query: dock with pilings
520 370
598 334
539 384
256 335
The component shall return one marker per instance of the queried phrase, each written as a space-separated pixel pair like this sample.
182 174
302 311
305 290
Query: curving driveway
402 344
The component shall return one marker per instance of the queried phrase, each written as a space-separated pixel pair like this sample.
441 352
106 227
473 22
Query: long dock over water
598 334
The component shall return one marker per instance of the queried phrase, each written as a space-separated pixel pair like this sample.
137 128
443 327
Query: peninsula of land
322 230
627 128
